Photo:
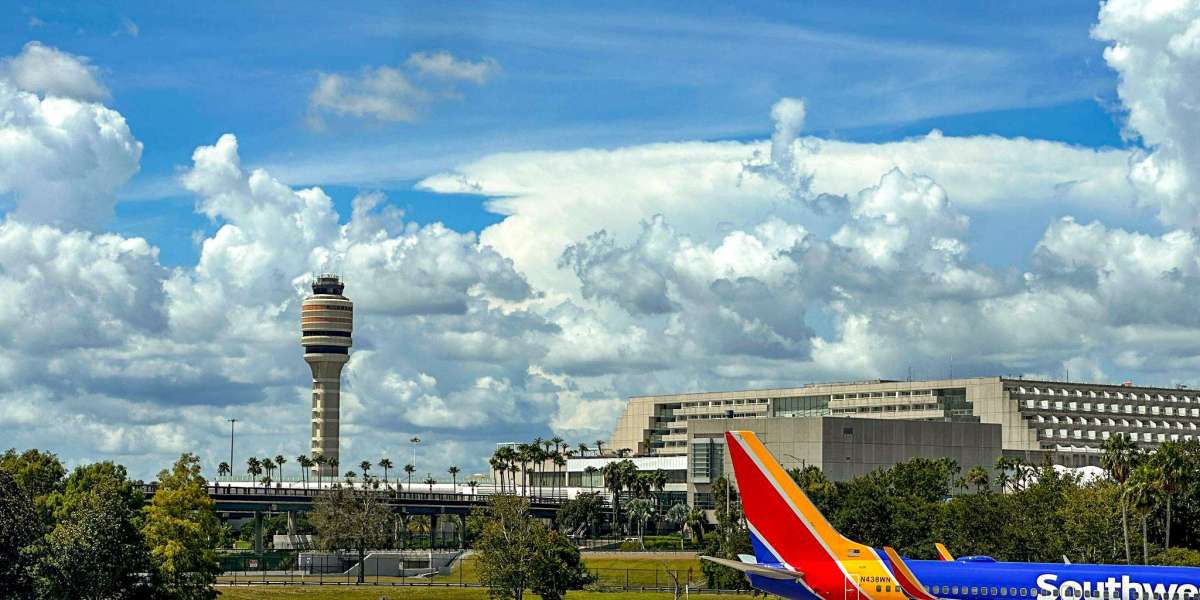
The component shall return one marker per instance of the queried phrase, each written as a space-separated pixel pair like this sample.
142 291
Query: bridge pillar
258 532
433 525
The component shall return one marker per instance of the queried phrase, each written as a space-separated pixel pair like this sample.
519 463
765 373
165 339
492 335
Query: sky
542 209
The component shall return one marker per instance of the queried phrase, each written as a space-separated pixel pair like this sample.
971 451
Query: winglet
904 576
943 553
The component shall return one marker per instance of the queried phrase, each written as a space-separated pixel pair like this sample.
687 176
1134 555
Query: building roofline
915 382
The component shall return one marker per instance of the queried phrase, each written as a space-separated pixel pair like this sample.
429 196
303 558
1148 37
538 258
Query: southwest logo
1110 588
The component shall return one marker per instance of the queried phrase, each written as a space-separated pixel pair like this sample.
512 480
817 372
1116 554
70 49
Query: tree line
90 534
268 470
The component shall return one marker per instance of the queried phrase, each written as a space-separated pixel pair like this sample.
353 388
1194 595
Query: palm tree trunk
1145 543
1125 530
1167 541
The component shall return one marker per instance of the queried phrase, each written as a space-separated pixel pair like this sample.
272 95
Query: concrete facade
326 325
1065 421
843 447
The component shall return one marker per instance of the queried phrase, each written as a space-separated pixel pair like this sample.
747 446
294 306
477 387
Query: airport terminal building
1066 422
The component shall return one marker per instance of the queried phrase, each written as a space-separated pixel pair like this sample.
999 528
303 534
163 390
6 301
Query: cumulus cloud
61 157
1155 49
388 93
52 72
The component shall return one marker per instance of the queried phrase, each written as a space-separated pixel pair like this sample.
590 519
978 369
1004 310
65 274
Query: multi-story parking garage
1066 421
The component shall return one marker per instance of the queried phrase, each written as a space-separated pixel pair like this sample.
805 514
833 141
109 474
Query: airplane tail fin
785 525
943 553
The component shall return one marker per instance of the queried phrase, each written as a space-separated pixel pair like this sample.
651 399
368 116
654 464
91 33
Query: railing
218 490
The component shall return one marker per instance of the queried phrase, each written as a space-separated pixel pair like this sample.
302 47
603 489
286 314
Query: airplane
799 555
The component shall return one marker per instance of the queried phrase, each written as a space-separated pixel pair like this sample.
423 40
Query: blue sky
611 75
543 209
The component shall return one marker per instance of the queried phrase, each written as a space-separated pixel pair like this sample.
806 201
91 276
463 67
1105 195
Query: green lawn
417 593
611 571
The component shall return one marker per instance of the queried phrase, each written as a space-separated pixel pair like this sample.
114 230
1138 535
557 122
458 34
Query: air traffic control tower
326 321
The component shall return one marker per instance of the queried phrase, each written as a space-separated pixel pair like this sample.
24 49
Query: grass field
418 593
611 570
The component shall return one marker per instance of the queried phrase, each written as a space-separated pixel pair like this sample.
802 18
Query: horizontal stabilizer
756 569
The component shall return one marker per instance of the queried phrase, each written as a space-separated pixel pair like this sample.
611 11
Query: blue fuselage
983 579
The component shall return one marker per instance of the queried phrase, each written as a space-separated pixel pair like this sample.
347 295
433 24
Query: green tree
1091 517
279 460
20 527
454 471
305 464
731 538
409 469
320 461
677 515
86 477
268 466
582 514
640 510
617 475
254 468
95 550
978 477
1142 495
430 481
38 473
181 531
1120 457
1168 467
517 553
351 517
223 469
386 465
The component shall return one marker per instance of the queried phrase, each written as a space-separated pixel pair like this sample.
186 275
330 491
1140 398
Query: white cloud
52 72
444 65
61 158
388 93
1155 48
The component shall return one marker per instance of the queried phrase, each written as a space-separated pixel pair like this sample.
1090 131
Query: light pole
413 442
232 422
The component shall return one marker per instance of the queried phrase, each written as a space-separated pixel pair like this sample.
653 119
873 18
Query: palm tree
334 463
253 468
640 511
616 475
583 448
658 479
599 447
624 453
1142 496
978 477
560 464
472 484
695 525
677 515
305 464
385 464
279 460
590 472
350 475
454 471
320 461
365 466
266 481
1120 457
1169 468
223 469
497 471
410 469
524 456
268 465
429 480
